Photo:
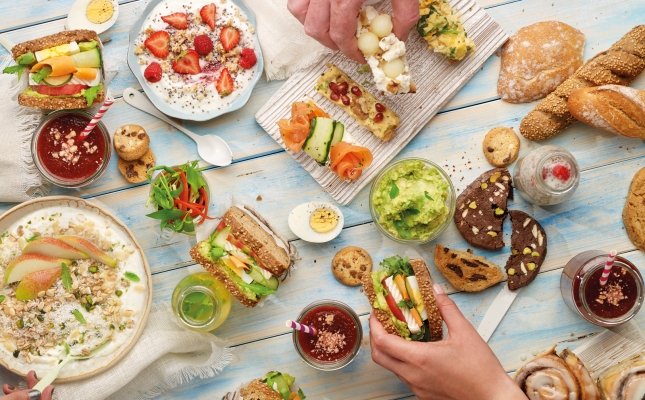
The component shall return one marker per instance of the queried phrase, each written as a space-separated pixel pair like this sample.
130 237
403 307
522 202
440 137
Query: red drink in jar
607 305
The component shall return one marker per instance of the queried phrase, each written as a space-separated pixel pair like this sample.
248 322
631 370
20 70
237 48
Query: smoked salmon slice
348 161
294 131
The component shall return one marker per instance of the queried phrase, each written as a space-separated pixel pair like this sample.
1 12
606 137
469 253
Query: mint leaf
132 276
394 191
79 316
15 69
91 93
66 277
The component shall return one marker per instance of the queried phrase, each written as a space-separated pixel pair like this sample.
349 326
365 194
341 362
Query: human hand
333 22
24 394
461 366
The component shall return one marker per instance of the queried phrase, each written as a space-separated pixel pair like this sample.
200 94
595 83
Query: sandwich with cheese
244 254
274 386
402 299
64 70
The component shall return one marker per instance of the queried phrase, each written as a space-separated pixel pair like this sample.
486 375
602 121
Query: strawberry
177 20
247 58
187 63
208 15
203 44
224 84
158 43
229 37
153 72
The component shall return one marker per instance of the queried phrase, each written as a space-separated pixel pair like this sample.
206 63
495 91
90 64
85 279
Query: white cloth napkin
20 179
165 356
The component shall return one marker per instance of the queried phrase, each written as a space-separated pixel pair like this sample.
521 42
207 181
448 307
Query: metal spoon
211 148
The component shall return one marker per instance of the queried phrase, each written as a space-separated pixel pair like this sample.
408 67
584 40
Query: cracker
501 146
350 264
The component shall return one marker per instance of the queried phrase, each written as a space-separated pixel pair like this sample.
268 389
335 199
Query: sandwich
402 299
65 70
245 255
274 386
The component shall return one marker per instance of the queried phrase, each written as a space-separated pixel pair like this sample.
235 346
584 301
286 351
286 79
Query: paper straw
608 266
95 120
300 327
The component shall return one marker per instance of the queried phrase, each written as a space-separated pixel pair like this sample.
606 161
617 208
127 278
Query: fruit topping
562 172
248 58
230 37
176 20
203 44
378 117
379 107
345 99
152 72
224 84
158 43
208 15
187 63
356 91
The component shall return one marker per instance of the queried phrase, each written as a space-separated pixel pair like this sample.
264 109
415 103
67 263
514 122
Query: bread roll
537 59
614 108
621 64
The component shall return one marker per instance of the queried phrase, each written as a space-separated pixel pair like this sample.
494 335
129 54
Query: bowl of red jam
65 160
338 335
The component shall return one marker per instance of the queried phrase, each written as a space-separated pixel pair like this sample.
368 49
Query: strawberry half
187 63
248 58
208 15
229 37
176 20
153 72
224 84
158 43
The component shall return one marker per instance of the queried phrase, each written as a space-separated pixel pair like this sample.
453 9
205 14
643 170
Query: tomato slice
393 307
65 90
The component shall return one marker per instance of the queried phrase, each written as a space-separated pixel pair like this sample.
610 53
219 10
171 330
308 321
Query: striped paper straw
300 327
608 266
95 120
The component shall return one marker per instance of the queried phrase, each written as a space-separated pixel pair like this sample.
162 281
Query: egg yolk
99 11
323 220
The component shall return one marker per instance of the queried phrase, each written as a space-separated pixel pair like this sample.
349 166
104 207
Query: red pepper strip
178 205
204 199
183 196
191 206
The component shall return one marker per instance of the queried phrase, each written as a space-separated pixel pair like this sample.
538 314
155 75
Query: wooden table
265 177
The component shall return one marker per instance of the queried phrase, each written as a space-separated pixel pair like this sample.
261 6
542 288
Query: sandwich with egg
402 299
273 386
64 70
245 254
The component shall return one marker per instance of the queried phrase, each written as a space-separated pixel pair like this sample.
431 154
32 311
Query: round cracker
136 171
501 146
131 142
350 264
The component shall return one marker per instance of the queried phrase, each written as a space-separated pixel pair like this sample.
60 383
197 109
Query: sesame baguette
58 102
56 39
620 64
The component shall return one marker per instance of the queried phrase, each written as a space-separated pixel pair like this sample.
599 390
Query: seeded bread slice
466 271
257 390
56 39
528 250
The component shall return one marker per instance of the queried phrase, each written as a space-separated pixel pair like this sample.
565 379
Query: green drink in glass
201 302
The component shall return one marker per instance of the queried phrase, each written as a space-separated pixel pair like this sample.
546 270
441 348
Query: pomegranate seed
343 87
356 91
333 86
345 99
379 107
378 117
334 96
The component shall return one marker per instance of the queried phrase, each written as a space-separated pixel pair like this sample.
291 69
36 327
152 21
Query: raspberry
203 44
152 72
248 58
562 172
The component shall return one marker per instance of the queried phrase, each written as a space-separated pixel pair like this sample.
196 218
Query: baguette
614 108
620 64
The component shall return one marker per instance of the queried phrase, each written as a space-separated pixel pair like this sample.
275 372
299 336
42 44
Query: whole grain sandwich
402 299
274 386
244 254
64 70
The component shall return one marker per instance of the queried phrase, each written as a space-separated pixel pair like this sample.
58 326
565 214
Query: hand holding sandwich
461 366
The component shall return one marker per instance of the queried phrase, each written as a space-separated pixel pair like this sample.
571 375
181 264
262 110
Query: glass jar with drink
201 302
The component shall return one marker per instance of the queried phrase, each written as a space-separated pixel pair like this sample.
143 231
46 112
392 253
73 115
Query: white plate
299 222
76 18
437 81
138 300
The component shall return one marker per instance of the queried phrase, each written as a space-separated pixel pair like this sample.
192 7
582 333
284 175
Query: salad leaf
427 195
66 277
15 69
195 178
132 276
79 316
91 93
42 74
26 59
397 265
166 215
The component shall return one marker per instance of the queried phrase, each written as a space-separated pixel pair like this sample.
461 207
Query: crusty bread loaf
537 59
614 108
620 64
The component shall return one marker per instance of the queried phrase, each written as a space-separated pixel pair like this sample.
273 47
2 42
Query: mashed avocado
410 200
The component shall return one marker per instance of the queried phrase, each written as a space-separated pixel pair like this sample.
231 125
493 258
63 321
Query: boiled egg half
316 221
96 15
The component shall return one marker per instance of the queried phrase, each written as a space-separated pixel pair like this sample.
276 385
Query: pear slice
28 263
88 248
49 246
35 282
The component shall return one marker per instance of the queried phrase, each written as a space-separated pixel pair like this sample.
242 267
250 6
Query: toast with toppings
402 299
244 254
64 70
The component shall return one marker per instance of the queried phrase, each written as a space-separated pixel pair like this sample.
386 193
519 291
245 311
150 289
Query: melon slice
35 282
88 248
52 247
28 263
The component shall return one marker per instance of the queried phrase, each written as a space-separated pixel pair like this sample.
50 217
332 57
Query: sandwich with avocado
64 70
244 254
274 386
402 299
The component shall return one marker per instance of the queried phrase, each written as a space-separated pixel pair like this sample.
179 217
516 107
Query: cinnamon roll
624 381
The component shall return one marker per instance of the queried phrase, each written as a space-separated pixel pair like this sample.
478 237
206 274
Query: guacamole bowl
412 201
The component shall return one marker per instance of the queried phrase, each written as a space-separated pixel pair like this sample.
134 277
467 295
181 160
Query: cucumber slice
256 274
87 59
339 132
321 134
220 238
85 46
57 80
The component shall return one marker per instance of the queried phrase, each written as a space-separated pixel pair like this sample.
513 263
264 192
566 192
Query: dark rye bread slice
528 250
466 271
425 287
481 209
257 390
247 228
